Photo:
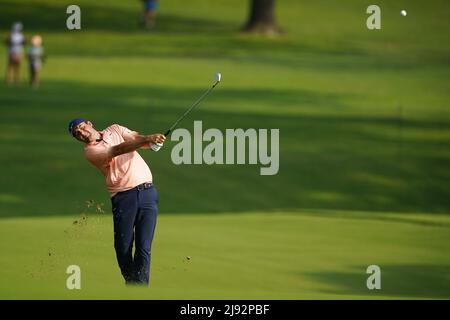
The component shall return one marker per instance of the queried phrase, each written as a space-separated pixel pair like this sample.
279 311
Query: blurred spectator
149 18
15 43
35 58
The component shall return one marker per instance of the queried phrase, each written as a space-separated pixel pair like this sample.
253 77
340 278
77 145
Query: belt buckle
143 186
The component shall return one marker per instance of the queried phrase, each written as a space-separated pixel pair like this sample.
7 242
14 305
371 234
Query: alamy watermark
74 279
374 280
236 146
73 22
373 22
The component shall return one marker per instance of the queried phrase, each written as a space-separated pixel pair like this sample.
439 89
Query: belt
145 185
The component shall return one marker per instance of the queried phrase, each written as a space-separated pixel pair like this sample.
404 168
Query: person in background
149 18
15 43
35 58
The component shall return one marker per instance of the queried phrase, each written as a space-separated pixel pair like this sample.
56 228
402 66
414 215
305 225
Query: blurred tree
262 17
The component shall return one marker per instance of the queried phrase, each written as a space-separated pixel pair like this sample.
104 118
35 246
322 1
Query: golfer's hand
157 138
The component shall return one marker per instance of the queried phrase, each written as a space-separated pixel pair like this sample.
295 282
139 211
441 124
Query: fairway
301 255
364 151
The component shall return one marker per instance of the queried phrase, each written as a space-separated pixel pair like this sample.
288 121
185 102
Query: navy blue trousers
134 215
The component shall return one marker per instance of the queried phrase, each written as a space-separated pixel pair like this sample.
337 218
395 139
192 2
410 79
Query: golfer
133 195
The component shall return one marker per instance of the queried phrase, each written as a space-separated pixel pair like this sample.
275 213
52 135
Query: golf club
217 78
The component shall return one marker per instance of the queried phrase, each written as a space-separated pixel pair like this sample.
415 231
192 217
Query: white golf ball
403 13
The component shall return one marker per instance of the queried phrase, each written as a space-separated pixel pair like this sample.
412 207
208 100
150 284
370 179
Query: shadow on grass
174 35
327 160
396 217
401 281
39 16
182 35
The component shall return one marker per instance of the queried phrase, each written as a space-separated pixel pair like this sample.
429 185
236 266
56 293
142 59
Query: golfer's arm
135 135
130 146
145 146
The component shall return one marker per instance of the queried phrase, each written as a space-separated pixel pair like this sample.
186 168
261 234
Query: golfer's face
84 132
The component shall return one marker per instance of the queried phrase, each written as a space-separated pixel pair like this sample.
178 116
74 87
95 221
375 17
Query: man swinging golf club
133 195
129 180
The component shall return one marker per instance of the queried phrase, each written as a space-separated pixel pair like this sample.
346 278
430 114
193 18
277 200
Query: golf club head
218 77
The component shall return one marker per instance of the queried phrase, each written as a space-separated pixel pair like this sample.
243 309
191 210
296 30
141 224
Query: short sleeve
126 133
99 157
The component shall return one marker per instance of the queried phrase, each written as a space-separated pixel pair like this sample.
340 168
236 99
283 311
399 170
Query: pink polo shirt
123 172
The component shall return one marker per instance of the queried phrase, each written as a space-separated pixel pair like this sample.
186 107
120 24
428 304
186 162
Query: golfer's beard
87 138
100 138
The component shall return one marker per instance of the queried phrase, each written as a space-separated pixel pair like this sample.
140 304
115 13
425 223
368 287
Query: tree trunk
262 17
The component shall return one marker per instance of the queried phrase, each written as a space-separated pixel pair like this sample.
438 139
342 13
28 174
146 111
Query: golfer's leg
124 207
145 228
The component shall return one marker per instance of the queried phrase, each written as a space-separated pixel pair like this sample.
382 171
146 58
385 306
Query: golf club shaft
190 109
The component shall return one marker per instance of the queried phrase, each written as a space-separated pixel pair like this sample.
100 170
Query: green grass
296 255
364 149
